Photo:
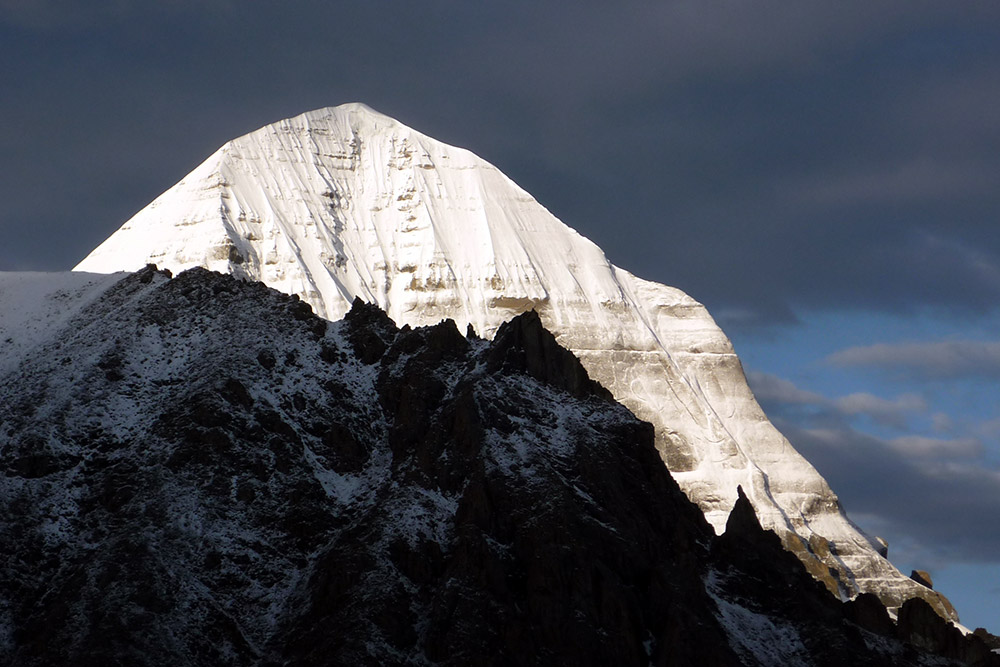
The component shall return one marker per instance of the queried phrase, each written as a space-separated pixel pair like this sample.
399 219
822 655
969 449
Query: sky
824 177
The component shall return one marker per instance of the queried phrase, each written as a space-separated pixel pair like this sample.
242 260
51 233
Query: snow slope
34 306
343 202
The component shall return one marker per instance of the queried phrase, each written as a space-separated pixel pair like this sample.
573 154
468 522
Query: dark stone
112 364
742 522
523 345
867 611
204 410
922 577
234 255
992 641
345 451
266 359
236 393
34 466
370 329
145 275
883 548
754 571
330 354
919 625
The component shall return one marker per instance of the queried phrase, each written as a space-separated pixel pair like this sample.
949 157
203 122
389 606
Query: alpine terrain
197 470
344 203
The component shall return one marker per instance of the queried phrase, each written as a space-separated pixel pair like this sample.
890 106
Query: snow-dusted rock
199 471
34 306
345 202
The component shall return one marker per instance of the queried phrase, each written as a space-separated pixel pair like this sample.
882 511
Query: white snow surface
34 307
757 638
344 202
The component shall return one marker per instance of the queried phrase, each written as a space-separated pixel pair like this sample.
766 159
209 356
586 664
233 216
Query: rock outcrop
199 471
922 577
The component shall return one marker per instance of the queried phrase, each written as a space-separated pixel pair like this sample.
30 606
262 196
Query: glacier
346 202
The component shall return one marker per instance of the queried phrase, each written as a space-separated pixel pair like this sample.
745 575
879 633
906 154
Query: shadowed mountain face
199 471
345 202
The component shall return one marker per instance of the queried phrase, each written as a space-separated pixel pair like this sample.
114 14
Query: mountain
199 471
344 203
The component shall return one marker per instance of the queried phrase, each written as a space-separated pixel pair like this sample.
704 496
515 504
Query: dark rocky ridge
201 472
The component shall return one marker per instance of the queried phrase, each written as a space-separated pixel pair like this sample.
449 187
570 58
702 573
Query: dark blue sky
823 176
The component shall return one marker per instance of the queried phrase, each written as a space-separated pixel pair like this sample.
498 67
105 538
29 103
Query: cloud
943 257
989 428
781 396
925 494
773 389
882 410
905 490
921 446
913 180
941 422
935 360
954 106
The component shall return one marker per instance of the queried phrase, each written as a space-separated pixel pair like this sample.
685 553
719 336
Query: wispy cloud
917 180
926 491
931 493
778 394
882 410
771 388
989 428
949 359
942 422
917 445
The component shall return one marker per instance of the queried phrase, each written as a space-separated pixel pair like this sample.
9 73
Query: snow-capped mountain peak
345 202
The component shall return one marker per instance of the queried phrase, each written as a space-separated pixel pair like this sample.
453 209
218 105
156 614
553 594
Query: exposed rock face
797 621
869 613
991 640
251 485
798 615
345 202
920 626
922 577
198 471
524 344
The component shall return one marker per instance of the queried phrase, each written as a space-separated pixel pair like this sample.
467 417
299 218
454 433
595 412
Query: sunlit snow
343 202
